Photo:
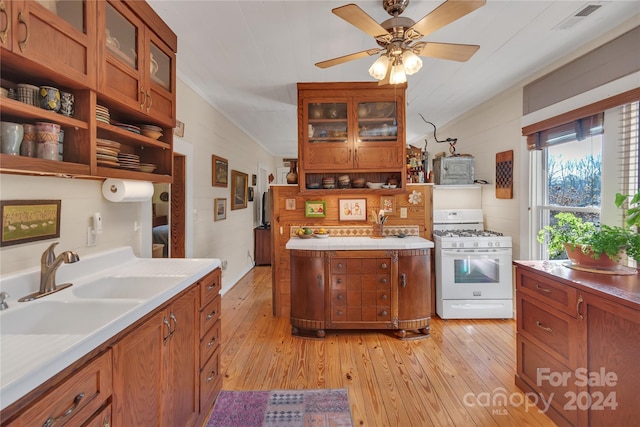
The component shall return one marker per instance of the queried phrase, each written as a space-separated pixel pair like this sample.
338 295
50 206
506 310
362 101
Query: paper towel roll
120 190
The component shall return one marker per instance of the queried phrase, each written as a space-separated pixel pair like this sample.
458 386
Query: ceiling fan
398 38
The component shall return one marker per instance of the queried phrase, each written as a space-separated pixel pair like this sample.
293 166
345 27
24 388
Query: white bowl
374 185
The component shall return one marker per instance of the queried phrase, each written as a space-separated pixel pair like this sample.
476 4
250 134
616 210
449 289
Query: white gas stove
473 267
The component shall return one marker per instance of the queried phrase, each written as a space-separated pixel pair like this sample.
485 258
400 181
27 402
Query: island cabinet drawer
209 343
209 315
210 287
210 381
554 381
550 329
100 419
75 400
556 295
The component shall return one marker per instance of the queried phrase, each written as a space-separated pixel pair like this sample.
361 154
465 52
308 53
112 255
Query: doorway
169 213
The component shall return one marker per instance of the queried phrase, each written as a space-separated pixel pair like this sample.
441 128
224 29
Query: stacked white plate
151 131
125 126
102 114
147 167
129 161
107 152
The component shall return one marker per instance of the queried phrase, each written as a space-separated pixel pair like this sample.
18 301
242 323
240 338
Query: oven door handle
457 252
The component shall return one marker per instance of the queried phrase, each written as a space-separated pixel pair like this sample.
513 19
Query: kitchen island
75 355
361 283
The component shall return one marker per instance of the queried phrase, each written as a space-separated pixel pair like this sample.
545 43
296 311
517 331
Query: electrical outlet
225 263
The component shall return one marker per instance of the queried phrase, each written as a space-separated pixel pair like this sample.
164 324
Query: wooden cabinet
209 377
262 245
350 128
359 289
65 45
155 369
577 343
73 402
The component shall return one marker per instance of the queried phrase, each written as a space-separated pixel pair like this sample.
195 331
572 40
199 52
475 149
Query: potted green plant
595 246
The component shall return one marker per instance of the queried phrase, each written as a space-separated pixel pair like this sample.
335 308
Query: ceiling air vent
578 17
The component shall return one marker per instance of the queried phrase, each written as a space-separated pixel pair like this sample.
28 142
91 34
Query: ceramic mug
11 137
28 147
49 98
67 101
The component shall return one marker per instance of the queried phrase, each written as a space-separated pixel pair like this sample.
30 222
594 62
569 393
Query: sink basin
60 317
126 287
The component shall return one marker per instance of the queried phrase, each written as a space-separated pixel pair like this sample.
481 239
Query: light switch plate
403 212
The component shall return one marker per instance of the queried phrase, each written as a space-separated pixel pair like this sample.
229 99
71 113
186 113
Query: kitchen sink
61 317
126 287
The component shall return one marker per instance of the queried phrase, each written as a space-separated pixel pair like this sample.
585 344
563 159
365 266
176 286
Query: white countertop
358 243
29 360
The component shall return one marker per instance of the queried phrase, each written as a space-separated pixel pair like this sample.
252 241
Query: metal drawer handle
144 98
210 343
150 101
211 315
339 296
403 280
321 282
3 33
339 281
540 288
23 43
339 265
51 421
212 287
384 265
580 300
166 323
212 376
383 280
384 296
541 326
107 421
175 322
339 312
384 313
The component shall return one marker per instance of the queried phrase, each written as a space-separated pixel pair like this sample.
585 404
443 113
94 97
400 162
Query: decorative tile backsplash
362 230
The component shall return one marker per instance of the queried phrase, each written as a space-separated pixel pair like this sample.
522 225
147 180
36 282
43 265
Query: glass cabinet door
71 11
377 121
160 67
121 37
327 122
326 135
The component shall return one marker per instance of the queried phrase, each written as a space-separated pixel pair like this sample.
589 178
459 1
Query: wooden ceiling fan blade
342 59
445 14
359 18
451 51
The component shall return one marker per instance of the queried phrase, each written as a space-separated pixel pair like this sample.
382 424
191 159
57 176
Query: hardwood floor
448 379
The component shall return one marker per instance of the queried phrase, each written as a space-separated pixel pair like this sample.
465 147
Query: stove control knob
461 245
475 244
497 244
490 244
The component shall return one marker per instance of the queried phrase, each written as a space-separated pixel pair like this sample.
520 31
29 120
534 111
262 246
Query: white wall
209 132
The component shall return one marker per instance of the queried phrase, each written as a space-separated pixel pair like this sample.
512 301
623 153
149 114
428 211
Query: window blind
577 129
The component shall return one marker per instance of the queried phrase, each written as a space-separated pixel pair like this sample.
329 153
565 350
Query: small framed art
388 204
219 209
220 171
290 204
353 209
239 189
26 221
315 209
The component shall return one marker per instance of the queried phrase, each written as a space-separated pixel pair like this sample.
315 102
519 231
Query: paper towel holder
120 190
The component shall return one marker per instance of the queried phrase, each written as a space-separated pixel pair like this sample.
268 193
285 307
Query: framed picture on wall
239 189
219 171
315 209
26 221
219 209
353 209
388 204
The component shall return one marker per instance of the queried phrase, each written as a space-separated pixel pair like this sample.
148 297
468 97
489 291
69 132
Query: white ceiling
245 57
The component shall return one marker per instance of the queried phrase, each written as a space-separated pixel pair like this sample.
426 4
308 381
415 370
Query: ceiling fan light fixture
379 68
412 62
397 74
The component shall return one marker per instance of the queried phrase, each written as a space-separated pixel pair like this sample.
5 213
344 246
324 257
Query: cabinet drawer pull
339 312
143 96
211 315
3 33
339 265
175 322
23 43
166 323
384 313
540 288
339 281
321 282
212 287
383 280
339 296
210 343
541 326
150 103
580 300
212 376
384 265
403 280
384 296
51 421
107 421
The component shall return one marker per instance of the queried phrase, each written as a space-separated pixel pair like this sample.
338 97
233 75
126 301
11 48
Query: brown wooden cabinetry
360 289
350 128
155 369
262 245
65 45
577 343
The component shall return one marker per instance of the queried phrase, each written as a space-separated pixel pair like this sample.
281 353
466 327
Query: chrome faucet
49 264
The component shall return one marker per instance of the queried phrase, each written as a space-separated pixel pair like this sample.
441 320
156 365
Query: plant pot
586 260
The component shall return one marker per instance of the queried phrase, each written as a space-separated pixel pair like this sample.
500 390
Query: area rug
282 408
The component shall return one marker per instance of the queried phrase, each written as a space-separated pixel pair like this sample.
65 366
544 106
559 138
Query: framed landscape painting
220 171
29 220
239 190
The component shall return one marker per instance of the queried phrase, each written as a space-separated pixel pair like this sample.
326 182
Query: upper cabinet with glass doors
354 129
54 36
137 63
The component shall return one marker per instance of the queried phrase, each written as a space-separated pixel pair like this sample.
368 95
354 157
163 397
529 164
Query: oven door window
476 270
